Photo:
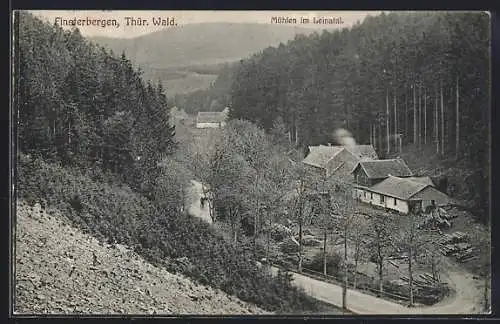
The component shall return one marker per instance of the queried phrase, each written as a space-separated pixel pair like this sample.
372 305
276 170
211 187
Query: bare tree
410 239
359 232
343 208
275 182
303 182
382 241
432 258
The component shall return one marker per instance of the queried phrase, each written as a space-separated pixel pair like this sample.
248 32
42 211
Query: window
395 201
371 195
382 199
364 194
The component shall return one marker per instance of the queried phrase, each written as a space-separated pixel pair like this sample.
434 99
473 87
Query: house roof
320 155
363 151
425 180
210 117
377 169
397 187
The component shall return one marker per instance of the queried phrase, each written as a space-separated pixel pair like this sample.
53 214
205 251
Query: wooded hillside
424 75
91 135
81 106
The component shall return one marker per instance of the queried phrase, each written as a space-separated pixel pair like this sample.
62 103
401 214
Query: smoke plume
344 137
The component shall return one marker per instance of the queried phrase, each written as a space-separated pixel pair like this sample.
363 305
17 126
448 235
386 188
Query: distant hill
204 43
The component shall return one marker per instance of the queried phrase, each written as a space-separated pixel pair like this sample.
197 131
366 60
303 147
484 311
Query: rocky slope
60 270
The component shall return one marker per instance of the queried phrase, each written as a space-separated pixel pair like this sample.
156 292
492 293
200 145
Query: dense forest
81 106
95 141
423 75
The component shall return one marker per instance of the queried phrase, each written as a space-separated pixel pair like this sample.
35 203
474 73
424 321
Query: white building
211 119
401 194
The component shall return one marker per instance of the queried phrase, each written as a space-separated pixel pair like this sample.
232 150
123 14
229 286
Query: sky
188 17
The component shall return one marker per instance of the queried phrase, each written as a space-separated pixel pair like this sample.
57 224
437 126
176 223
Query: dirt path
467 296
195 192
464 301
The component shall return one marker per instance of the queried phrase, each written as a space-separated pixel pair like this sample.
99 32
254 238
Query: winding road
464 301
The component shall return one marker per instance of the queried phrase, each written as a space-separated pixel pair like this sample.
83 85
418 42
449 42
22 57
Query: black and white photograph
251 163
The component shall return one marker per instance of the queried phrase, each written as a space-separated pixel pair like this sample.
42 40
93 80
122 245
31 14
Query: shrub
279 232
289 246
333 263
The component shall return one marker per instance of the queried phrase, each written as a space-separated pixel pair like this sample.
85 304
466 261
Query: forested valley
95 141
423 77
99 143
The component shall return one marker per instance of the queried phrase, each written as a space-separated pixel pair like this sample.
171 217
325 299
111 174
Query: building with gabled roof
370 172
338 161
211 119
402 194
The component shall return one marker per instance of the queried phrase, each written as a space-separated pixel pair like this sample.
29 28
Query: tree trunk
211 209
414 115
410 274
296 134
457 125
425 116
410 256
344 288
355 275
371 134
436 123
300 244
324 252
406 115
268 237
395 122
233 227
256 217
380 276
380 138
387 121
419 123
442 122
433 267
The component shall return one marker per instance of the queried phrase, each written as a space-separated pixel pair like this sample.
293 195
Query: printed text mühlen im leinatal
306 20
